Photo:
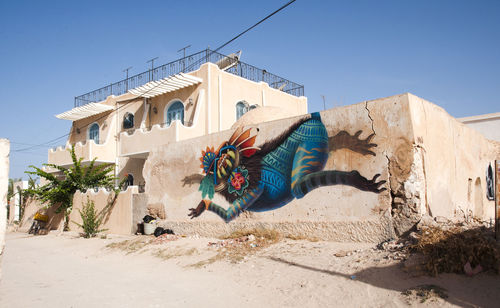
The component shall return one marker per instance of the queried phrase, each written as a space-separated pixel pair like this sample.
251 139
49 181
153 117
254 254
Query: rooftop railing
188 64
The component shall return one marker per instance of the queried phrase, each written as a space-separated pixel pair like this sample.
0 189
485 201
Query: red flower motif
237 180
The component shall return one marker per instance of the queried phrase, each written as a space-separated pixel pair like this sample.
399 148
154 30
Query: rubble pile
461 245
459 248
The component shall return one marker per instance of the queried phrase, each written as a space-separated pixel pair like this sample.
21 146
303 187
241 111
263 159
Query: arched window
94 133
175 112
128 120
241 109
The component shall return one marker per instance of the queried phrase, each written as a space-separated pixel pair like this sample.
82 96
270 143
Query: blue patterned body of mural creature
270 176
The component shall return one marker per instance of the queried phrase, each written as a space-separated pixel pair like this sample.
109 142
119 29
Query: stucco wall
12 211
120 219
487 124
132 166
106 128
4 182
455 158
420 152
105 150
31 207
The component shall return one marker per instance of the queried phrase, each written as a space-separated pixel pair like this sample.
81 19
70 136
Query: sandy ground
67 271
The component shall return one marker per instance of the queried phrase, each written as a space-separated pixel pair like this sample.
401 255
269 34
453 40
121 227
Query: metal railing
188 64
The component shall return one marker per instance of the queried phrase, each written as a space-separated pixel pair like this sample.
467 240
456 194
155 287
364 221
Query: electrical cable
255 25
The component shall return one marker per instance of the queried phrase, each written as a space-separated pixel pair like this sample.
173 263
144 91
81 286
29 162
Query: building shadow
479 291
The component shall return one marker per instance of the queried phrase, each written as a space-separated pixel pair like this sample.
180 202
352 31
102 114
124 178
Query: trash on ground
159 231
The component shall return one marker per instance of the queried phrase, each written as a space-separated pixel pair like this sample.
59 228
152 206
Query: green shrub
91 219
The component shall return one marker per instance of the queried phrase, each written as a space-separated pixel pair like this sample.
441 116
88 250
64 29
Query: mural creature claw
270 176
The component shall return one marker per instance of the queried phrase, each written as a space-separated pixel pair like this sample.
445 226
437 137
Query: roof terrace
230 64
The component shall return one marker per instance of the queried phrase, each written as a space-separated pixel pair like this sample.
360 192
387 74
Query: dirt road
66 271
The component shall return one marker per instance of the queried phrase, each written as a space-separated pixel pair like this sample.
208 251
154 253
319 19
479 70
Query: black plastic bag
159 231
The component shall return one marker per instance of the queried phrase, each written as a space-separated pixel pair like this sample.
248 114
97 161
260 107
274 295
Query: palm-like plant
59 190
10 190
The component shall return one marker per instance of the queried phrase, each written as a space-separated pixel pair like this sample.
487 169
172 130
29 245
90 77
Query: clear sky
349 51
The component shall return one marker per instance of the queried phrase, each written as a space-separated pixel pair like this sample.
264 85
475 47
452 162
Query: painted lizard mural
289 166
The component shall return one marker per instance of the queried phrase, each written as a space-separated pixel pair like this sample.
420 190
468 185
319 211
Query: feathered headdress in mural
224 163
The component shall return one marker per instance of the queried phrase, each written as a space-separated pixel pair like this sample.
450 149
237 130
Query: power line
21 143
217 49
255 25
67 134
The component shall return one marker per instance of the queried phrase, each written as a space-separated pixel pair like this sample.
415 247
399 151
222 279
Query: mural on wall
289 166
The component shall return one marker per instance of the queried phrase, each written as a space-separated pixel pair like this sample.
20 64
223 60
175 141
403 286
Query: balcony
230 64
104 153
139 143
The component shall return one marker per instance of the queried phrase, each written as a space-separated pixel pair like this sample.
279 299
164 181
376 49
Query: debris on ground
458 250
240 244
425 292
159 231
231 242
132 245
342 253
469 271
165 238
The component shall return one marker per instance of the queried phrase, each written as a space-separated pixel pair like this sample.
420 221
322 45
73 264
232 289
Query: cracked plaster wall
453 157
403 158
4 180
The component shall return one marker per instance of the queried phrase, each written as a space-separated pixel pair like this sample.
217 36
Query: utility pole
152 67
126 78
324 104
183 49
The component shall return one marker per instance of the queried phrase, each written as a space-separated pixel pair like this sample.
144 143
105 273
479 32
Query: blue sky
349 51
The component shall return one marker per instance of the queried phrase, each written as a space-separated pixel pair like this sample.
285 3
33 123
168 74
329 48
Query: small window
175 112
128 120
241 109
94 133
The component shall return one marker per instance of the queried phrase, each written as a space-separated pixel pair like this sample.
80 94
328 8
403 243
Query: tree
26 194
58 191
10 191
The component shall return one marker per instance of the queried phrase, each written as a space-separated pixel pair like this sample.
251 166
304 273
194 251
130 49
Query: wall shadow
462 290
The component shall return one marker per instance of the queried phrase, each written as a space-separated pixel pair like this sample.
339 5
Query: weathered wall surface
4 182
31 207
12 210
335 212
455 158
425 155
122 214
128 209
487 124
